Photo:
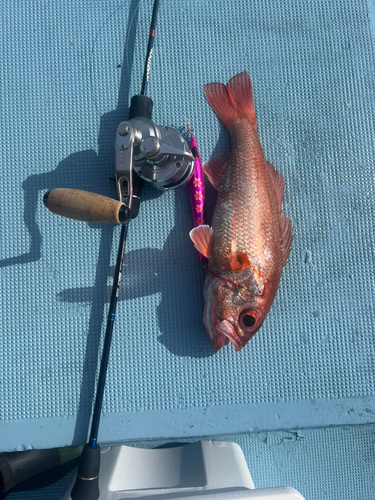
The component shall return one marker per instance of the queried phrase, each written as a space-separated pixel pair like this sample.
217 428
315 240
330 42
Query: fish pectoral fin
287 238
278 182
202 237
214 168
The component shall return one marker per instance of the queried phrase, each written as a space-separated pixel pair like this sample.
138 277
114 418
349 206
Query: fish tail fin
232 100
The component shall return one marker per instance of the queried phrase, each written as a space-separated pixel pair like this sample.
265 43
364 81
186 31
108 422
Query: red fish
250 239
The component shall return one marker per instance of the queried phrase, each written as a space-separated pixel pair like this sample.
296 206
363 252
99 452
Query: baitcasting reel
157 154
144 151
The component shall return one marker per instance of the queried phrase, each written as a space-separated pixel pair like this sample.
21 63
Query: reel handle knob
86 206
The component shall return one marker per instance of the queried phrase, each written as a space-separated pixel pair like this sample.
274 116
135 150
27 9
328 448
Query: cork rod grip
85 206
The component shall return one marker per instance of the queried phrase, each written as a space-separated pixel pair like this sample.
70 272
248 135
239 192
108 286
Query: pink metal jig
197 195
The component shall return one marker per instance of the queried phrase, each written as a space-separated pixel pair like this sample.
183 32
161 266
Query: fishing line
150 46
126 50
114 14
243 287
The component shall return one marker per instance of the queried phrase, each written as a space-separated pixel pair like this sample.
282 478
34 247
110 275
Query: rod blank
85 206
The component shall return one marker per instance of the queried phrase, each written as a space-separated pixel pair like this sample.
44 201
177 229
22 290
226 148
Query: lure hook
190 131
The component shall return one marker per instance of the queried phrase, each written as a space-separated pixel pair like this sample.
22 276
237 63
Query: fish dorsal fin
232 100
278 182
214 168
202 237
287 237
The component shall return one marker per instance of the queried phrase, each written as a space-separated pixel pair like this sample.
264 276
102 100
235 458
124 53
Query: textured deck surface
68 71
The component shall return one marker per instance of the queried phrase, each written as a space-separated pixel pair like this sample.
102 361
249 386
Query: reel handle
86 206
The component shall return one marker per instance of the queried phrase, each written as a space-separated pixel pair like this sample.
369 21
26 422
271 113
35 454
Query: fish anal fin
202 237
278 182
214 168
286 226
287 238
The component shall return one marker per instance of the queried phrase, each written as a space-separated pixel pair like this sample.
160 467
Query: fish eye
248 320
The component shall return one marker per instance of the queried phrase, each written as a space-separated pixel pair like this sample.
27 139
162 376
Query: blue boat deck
68 71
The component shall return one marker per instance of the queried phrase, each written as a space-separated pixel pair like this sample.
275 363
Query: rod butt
86 486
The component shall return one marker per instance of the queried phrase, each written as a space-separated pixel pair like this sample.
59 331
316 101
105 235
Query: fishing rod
141 106
144 151
87 481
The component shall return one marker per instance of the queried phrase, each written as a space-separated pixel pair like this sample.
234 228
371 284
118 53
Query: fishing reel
154 153
144 151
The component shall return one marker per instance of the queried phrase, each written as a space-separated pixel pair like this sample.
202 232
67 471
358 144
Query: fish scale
251 197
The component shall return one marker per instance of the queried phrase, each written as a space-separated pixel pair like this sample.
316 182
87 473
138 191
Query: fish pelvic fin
202 237
287 238
233 100
214 169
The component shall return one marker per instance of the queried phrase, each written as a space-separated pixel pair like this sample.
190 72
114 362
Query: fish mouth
227 329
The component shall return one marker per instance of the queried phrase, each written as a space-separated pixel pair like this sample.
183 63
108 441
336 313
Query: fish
249 240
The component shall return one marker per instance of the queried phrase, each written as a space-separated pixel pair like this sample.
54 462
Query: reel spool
157 154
